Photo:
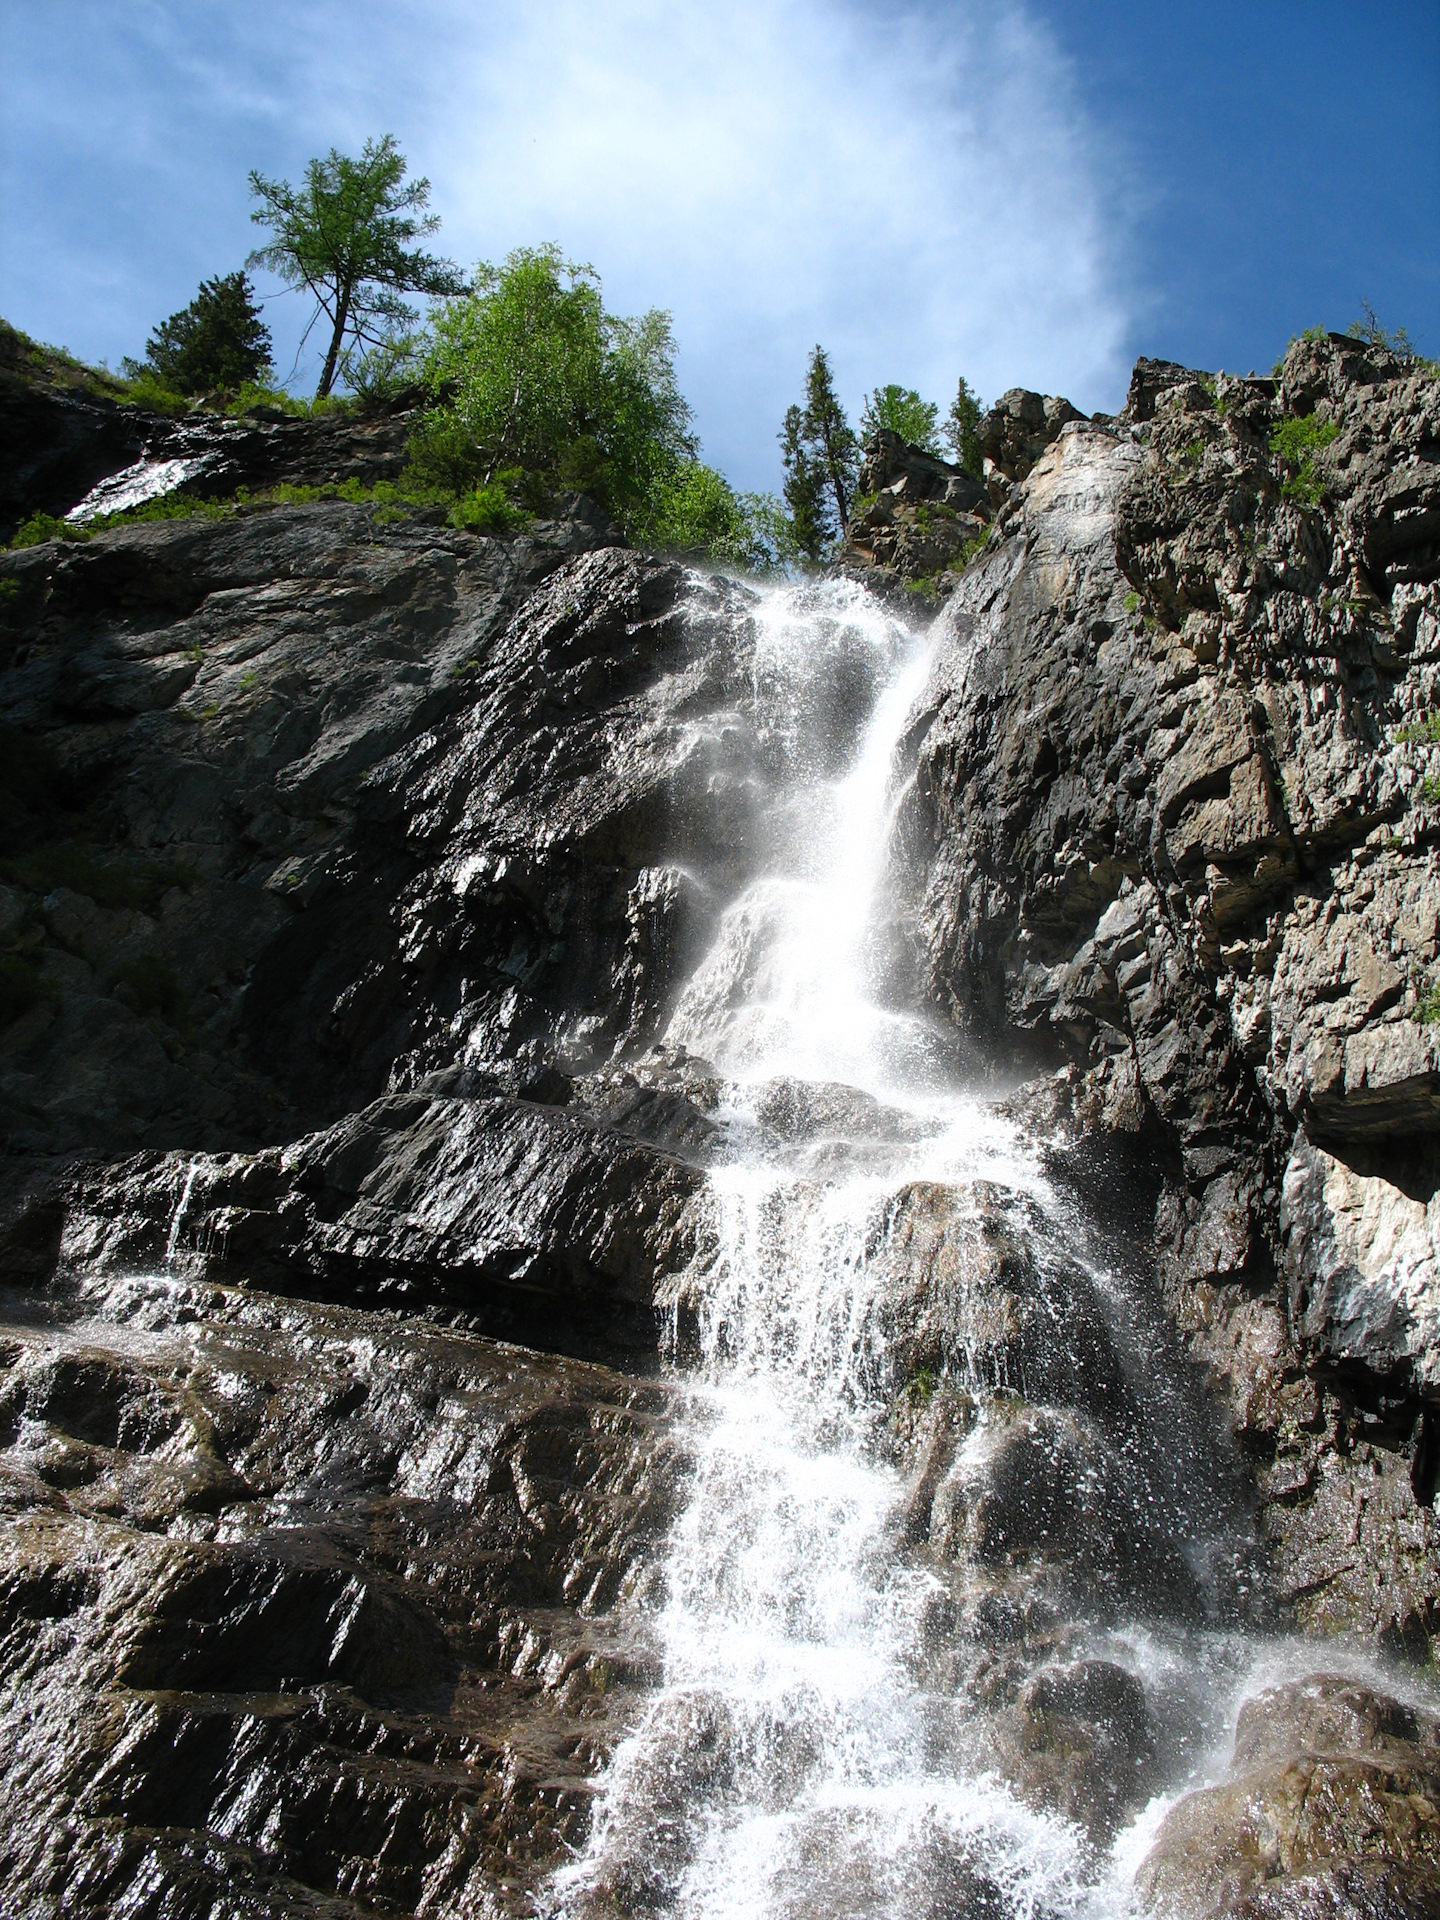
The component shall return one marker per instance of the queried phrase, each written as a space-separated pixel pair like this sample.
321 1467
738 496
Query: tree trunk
327 372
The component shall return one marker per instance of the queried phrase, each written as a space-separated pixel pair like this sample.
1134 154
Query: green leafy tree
521 359
219 340
697 511
962 429
345 235
806 493
903 411
529 371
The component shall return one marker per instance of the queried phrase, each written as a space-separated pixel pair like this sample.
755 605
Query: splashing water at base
821 1742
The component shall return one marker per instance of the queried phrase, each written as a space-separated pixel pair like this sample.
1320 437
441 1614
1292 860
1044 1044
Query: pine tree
219 340
821 455
962 429
806 504
829 434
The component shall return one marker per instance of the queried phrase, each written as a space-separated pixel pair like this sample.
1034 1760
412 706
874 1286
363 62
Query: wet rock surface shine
318 1608
306 1609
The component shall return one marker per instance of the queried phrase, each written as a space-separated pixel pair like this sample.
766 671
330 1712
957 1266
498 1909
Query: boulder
1330 1807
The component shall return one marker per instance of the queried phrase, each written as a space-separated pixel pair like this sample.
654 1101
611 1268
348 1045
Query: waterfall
827 1738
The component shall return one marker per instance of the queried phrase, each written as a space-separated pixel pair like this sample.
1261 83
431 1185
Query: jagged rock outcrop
918 520
1173 823
1016 431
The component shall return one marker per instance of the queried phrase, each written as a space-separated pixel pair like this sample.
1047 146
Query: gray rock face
530 1221
1170 824
314 1609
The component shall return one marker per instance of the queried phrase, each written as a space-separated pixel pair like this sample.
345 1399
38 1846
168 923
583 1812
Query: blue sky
1029 193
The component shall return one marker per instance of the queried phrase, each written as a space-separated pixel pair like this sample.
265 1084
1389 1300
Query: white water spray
797 1760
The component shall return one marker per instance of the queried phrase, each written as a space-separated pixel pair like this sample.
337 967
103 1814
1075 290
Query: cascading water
886 1586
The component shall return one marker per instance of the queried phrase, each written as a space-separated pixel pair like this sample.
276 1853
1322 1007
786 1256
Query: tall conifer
806 504
821 455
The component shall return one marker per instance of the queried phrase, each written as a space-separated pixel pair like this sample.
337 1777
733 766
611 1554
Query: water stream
862 1682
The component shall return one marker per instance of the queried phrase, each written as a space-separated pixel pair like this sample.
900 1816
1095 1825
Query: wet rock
1331 1807
1041 1489
530 1220
977 1298
1080 1742
334 1616
358 819
1169 828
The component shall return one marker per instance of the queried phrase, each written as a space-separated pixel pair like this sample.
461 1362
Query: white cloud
917 187
917 190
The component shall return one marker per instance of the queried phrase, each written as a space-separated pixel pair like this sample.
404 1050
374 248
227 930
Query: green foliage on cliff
700 513
536 387
219 340
902 411
1297 440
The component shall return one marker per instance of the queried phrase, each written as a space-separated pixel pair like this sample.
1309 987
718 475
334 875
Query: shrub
1297 440
168 506
1394 340
146 390
1424 732
530 370
46 526
219 340
487 509
251 396
444 454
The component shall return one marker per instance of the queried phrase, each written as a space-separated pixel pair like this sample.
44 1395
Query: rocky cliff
1174 828
352 867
